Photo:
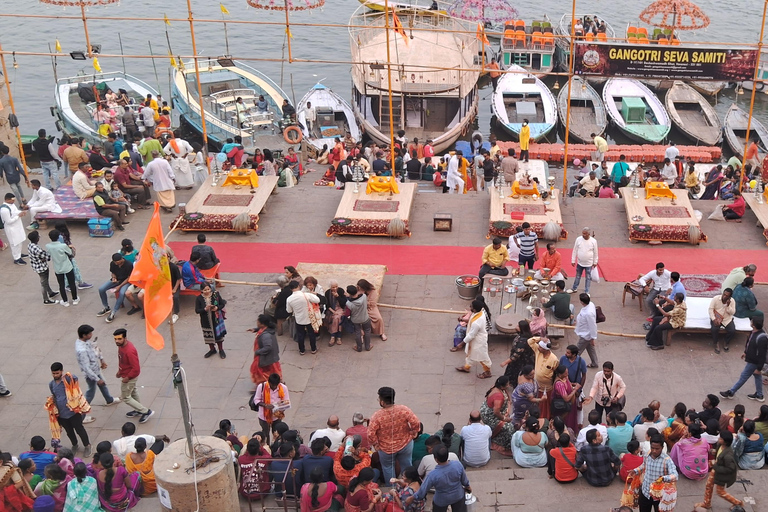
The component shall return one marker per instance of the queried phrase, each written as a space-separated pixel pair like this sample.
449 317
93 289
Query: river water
32 85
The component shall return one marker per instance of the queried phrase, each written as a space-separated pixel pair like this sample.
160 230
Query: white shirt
149 116
336 435
453 176
125 445
297 304
581 439
310 114
160 174
14 228
184 148
641 429
44 198
661 282
585 252
669 172
586 322
671 152
477 451
428 463
81 185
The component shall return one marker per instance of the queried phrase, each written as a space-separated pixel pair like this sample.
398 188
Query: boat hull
654 132
581 91
322 97
699 123
736 120
513 85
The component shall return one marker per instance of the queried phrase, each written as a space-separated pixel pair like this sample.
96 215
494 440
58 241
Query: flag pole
178 382
13 111
754 90
199 85
568 107
389 90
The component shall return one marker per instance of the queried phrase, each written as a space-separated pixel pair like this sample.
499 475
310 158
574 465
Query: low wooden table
761 211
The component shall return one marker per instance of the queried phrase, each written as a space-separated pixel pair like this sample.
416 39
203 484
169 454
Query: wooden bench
697 320
211 273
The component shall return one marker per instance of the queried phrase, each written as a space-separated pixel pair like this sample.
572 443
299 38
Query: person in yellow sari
525 139
142 462
463 165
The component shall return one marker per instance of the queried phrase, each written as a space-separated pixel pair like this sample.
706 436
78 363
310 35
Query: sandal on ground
383 337
484 375
332 342
462 369
591 366
338 341
455 349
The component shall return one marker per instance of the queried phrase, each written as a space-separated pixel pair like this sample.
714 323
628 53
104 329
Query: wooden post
13 110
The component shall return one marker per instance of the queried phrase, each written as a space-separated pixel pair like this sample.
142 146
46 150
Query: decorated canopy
493 11
675 15
286 5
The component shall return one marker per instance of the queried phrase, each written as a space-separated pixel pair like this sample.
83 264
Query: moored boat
415 6
635 110
519 95
587 112
76 99
736 130
762 75
595 29
708 87
692 114
223 82
434 76
334 117
530 46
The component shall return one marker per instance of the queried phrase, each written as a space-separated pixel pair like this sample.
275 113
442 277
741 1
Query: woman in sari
405 487
334 314
528 445
377 322
712 182
678 429
520 355
266 352
524 395
747 447
82 492
691 454
118 490
496 413
322 155
143 463
460 331
538 322
363 495
317 494
54 485
209 305
563 389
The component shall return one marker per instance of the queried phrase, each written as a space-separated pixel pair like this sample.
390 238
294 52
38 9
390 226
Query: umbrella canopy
283 5
675 15
493 11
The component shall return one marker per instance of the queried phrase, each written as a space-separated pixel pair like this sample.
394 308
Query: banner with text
665 62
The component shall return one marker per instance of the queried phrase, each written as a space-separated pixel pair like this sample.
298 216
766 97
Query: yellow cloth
105 129
494 257
525 137
516 189
243 177
691 180
658 189
601 144
382 184
146 469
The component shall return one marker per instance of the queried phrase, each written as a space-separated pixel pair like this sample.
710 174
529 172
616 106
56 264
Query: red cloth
128 366
362 431
12 500
236 155
738 206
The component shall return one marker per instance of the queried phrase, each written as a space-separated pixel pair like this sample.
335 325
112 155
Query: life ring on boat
758 86
163 130
292 135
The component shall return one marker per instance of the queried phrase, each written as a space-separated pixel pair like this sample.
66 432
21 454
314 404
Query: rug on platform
363 205
529 209
228 200
667 212
702 285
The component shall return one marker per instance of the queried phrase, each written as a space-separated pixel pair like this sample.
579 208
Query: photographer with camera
607 391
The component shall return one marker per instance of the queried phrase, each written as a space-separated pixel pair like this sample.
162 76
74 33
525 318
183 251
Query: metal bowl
530 283
544 282
517 282
495 281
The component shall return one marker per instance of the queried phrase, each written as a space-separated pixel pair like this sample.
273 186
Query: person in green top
428 170
149 145
619 173
560 303
419 446
28 469
746 303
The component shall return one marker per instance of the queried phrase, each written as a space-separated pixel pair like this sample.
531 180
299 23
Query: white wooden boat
76 103
434 77
415 6
762 74
520 95
708 87
635 110
587 112
563 33
692 114
530 45
736 130
222 85
334 117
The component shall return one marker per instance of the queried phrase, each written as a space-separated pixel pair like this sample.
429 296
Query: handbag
561 406
599 315
253 404
315 316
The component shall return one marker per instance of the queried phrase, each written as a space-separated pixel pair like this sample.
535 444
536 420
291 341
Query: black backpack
2 224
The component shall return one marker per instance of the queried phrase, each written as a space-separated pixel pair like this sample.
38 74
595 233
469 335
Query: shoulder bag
315 317
599 315
573 465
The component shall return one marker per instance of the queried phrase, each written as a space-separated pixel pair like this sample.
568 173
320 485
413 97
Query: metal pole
288 32
199 86
120 38
178 383
157 78
85 27
13 110
389 91
568 107
754 90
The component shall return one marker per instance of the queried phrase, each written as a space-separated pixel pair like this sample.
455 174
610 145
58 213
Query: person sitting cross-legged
495 257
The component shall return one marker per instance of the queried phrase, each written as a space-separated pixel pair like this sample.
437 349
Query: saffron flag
481 34
173 61
152 272
224 10
165 19
399 27
96 65
58 46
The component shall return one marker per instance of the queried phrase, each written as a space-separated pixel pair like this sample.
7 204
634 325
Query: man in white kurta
42 200
14 228
453 179
179 150
476 344
159 173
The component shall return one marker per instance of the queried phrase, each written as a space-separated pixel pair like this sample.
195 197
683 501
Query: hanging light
557 85
740 89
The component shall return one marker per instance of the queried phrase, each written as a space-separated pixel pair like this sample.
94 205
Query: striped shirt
527 243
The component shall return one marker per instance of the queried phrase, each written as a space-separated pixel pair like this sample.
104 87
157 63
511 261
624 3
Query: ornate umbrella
286 5
485 11
675 15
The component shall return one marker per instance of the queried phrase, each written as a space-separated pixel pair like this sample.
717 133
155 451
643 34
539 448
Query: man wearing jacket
357 302
91 363
128 370
754 356
723 473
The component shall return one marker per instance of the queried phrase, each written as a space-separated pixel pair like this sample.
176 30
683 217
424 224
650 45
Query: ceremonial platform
372 208
760 209
661 214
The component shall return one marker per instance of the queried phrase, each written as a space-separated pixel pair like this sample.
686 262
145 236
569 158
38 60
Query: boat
635 110
520 95
378 5
334 117
656 85
530 46
563 37
762 75
434 74
736 130
587 113
708 88
692 114
223 81
76 101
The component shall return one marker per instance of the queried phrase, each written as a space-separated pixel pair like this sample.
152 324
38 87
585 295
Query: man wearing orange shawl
68 400
179 150
272 400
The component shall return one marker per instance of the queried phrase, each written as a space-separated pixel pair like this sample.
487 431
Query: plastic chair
509 25
548 30
656 32
601 36
519 24
641 30
536 24
549 40
509 36
675 42
631 34
590 36
631 30
546 24
643 40
520 38
667 32
632 40
663 41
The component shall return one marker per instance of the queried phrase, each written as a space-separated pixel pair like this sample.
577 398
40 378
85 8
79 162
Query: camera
605 401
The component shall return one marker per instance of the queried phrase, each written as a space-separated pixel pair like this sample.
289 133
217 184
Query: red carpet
616 264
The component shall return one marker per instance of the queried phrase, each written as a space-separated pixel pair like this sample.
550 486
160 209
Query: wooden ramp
343 274
760 209
660 219
219 205
358 214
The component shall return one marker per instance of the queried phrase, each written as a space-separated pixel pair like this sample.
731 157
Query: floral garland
642 228
272 5
78 3
341 221
193 216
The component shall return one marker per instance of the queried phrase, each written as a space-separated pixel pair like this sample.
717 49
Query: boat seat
520 38
509 36
519 23
641 30
631 35
663 41
602 37
675 41
548 30
536 24
667 31
643 40
509 25
632 40
631 30
537 41
656 32
549 40
590 36
546 24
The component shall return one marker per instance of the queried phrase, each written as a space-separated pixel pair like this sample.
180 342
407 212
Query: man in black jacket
722 475
754 356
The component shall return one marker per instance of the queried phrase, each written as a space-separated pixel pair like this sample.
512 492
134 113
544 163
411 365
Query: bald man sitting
476 436
333 432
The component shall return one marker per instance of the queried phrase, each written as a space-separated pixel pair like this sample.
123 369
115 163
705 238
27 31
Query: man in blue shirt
38 454
191 276
577 367
450 482
11 168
